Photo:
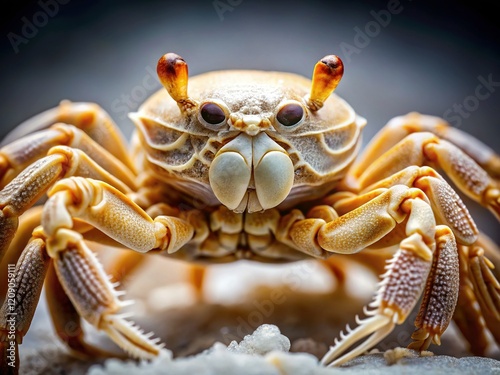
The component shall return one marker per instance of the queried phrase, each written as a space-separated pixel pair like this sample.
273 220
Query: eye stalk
173 73
326 76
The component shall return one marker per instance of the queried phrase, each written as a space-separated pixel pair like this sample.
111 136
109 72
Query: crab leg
468 316
447 205
398 293
441 293
128 261
24 190
486 288
89 117
406 278
400 127
18 155
24 287
65 318
79 272
479 286
425 148
27 223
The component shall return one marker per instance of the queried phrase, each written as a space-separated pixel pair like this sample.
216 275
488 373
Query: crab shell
250 162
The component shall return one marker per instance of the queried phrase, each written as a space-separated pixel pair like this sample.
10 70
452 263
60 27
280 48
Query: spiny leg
27 223
398 293
481 287
24 287
81 275
24 190
366 225
441 293
66 319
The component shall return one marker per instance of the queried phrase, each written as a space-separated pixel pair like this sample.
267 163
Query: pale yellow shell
321 148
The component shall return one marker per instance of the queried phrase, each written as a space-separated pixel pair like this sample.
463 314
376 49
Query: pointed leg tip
375 327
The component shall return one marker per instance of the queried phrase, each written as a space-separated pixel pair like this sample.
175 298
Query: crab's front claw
409 273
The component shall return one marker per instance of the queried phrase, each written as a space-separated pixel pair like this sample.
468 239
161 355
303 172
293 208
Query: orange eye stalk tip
173 73
326 76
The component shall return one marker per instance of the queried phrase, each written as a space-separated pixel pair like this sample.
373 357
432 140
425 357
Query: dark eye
212 113
290 114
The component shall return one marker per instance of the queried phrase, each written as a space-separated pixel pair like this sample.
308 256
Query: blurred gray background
399 56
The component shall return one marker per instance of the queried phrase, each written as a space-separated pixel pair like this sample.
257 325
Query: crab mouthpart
251 173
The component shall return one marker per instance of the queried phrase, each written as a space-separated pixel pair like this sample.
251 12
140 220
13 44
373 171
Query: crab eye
290 114
212 113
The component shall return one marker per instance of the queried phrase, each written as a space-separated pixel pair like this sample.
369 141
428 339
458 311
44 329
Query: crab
254 165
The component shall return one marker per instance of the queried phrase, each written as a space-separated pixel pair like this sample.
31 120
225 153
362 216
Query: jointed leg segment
79 272
89 117
411 141
426 261
32 183
402 126
24 288
397 157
